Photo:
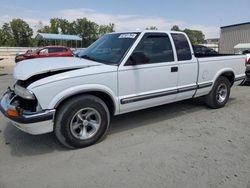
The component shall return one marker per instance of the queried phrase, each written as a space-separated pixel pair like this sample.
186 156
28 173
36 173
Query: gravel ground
178 145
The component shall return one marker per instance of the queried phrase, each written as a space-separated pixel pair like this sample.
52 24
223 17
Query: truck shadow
23 144
153 115
157 114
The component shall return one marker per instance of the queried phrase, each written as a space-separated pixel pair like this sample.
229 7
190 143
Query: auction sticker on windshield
129 35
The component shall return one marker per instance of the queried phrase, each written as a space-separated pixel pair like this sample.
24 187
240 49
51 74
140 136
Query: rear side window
64 49
182 47
157 47
55 50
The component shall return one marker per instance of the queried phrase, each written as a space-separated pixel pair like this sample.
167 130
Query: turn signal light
12 112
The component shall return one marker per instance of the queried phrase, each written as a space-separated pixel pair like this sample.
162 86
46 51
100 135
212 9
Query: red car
48 51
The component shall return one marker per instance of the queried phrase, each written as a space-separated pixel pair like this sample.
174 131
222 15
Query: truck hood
28 68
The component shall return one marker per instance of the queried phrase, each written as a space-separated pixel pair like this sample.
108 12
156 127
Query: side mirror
137 58
76 54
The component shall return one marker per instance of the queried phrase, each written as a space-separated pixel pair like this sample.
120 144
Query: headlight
24 93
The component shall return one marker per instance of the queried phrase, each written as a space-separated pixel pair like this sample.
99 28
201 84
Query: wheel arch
104 94
228 73
106 98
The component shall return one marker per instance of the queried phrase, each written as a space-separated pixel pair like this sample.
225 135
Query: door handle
174 69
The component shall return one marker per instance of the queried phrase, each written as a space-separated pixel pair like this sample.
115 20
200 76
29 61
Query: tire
220 93
81 121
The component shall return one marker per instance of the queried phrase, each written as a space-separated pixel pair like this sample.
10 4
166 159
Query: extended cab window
156 47
182 47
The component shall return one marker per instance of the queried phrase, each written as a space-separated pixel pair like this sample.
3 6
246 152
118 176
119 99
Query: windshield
110 48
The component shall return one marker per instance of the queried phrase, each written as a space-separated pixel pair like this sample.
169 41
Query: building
232 35
242 48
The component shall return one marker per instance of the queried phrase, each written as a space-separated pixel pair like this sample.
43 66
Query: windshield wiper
88 57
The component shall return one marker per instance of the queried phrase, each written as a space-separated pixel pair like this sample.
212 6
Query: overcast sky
207 16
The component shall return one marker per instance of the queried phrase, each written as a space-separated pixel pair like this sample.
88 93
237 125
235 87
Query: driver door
151 80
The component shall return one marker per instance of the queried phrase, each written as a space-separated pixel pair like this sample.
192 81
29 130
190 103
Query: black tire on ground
81 121
219 95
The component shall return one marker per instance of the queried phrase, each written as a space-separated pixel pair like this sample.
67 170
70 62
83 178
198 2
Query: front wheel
219 95
81 121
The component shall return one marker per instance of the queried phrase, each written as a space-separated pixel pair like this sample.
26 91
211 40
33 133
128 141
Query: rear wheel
219 95
81 121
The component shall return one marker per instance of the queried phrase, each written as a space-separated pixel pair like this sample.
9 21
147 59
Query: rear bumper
30 122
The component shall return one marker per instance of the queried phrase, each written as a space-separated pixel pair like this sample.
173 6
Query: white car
119 73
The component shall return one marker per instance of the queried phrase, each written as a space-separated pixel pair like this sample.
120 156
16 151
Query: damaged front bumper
28 121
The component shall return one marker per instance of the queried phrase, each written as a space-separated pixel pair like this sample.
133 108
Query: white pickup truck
119 73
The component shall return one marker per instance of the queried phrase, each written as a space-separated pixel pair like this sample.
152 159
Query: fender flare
223 71
65 94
